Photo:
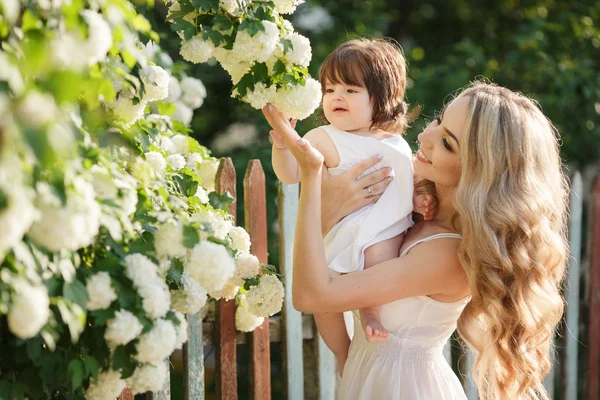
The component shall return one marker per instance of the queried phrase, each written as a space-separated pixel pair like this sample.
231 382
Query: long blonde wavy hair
511 205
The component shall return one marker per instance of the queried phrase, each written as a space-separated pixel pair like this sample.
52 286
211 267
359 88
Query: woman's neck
445 210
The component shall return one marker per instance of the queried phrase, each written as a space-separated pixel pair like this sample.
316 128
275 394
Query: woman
491 261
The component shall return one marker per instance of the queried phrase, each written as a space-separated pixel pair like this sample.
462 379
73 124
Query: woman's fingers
379 187
374 177
362 166
278 141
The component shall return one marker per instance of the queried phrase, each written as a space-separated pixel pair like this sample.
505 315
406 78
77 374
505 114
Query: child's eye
328 90
446 144
351 91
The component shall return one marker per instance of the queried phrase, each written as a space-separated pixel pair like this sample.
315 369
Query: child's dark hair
379 66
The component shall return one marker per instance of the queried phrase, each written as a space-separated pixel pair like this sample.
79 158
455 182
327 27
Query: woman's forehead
455 115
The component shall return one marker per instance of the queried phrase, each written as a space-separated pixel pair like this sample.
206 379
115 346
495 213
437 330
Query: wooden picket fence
309 367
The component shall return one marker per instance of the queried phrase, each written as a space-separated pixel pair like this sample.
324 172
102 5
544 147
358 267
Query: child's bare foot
374 331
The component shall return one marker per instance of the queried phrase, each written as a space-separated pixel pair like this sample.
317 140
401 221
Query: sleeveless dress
347 241
410 364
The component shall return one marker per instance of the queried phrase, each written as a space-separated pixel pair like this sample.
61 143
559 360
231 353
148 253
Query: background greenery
548 49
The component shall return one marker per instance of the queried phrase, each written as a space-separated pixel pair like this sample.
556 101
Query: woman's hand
309 159
343 194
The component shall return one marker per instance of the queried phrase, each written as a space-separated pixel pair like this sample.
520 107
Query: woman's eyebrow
447 131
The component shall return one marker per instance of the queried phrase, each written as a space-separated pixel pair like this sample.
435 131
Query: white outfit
345 244
410 364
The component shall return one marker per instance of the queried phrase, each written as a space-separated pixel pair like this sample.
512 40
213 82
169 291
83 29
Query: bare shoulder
319 138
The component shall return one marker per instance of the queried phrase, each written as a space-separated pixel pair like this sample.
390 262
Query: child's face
347 107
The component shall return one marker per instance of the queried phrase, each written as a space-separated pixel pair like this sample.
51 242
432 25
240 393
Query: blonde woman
490 262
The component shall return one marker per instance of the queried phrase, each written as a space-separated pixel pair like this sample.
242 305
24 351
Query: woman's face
438 157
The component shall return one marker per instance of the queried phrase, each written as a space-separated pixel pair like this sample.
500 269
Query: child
363 83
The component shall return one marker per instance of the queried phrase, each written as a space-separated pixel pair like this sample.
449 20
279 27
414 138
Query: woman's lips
421 157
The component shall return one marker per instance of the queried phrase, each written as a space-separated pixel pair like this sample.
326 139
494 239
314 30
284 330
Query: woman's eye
446 144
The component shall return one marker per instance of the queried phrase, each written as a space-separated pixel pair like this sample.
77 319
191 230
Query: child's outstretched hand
426 205
277 140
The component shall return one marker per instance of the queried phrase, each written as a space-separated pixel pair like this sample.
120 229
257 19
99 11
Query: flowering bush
111 226
266 59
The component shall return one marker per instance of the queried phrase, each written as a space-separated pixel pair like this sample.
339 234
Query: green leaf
206 5
3 200
166 108
220 202
191 237
30 21
287 45
91 365
222 23
248 283
253 26
127 298
213 35
101 316
4 390
34 348
188 185
72 315
279 67
175 271
123 361
75 371
75 292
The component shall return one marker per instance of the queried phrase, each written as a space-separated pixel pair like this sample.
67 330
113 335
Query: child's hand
277 140
426 205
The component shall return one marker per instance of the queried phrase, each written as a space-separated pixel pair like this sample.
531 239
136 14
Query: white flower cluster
191 298
17 215
156 298
245 320
72 226
267 298
168 240
156 83
246 267
187 96
100 292
149 377
108 386
122 329
237 135
269 44
211 265
220 224
29 309
70 50
240 240
158 343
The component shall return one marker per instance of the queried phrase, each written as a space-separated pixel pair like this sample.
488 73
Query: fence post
193 360
572 329
126 394
593 369
225 341
292 319
256 224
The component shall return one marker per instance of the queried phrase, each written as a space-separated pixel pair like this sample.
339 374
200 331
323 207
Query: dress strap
432 237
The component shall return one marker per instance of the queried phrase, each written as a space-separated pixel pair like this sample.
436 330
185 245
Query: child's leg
369 317
332 328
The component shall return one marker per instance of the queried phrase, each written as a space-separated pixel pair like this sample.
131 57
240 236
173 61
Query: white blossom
245 321
231 6
176 161
149 377
174 89
197 50
17 216
103 182
246 267
207 171
286 6
202 195
126 111
183 113
38 109
315 19
237 135
69 227
11 10
191 299
236 64
261 95
100 291
267 298
298 101
168 240
156 298
99 40
157 162
122 329
211 265
156 83
258 47
301 53
108 386
228 292
158 343
180 142
11 74
29 309
240 239
138 267
165 142
220 224
181 330
193 92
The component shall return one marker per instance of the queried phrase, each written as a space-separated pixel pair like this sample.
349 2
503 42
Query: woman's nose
424 138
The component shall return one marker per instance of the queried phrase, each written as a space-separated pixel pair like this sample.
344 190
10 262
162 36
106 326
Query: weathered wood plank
327 368
126 394
225 333
593 342
291 319
570 371
193 360
256 224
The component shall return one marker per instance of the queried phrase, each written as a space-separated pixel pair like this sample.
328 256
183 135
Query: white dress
347 241
410 364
